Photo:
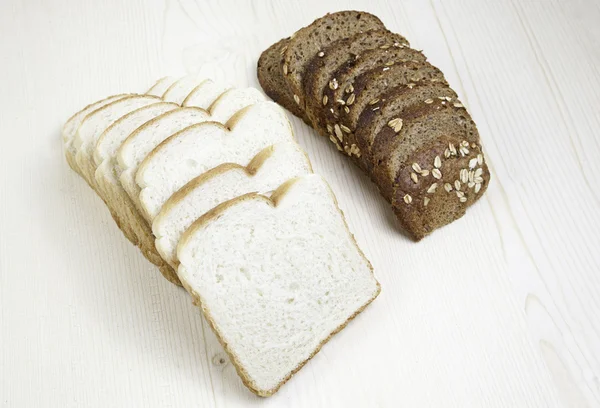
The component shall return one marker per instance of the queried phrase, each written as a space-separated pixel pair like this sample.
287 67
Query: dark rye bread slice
309 41
318 71
341 95
271 79
425 203
422 123
380 110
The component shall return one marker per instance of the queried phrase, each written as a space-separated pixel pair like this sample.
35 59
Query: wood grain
499 309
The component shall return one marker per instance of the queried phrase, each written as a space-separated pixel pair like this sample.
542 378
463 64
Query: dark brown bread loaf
318 71
387 108
309 41
271 79
391 105
429 203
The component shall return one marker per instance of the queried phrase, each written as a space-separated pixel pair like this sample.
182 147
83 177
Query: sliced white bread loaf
161 86
288 277
205 93
70 128
181 88
95 123
233 100
201 147
107 183
266 171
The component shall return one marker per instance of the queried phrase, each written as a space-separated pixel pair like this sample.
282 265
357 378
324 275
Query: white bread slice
234 100
144 139
289 277
205 94
95 123
201 147
107 183
266 171
181 88
160 86
72 124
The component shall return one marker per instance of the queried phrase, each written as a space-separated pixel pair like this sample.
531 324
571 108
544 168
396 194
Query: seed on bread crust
297 99
351 99
428 101
374 101
285 69
345 128
436 173
407 198
414 177
448 187
416 167
396 124
321 54
333 84
325 100
338 132
437 162
432 188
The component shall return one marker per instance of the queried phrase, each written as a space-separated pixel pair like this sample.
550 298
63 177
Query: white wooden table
499 309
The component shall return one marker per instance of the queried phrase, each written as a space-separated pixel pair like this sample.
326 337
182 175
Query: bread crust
198 301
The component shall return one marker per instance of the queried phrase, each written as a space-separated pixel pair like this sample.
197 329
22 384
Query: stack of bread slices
382 104
209 182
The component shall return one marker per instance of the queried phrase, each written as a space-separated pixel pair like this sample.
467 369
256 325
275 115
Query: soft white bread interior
205 93
95 123
161 86
201 147
144 139
276 277
232 101
182 87
266 171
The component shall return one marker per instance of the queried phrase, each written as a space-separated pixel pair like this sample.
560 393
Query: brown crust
197 299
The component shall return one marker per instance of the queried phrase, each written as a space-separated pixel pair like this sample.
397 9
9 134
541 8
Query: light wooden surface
499 309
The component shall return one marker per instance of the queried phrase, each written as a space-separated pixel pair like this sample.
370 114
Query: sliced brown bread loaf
421 123
391 105
393 113
341 94
425 203
309 41
271 79
319 69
